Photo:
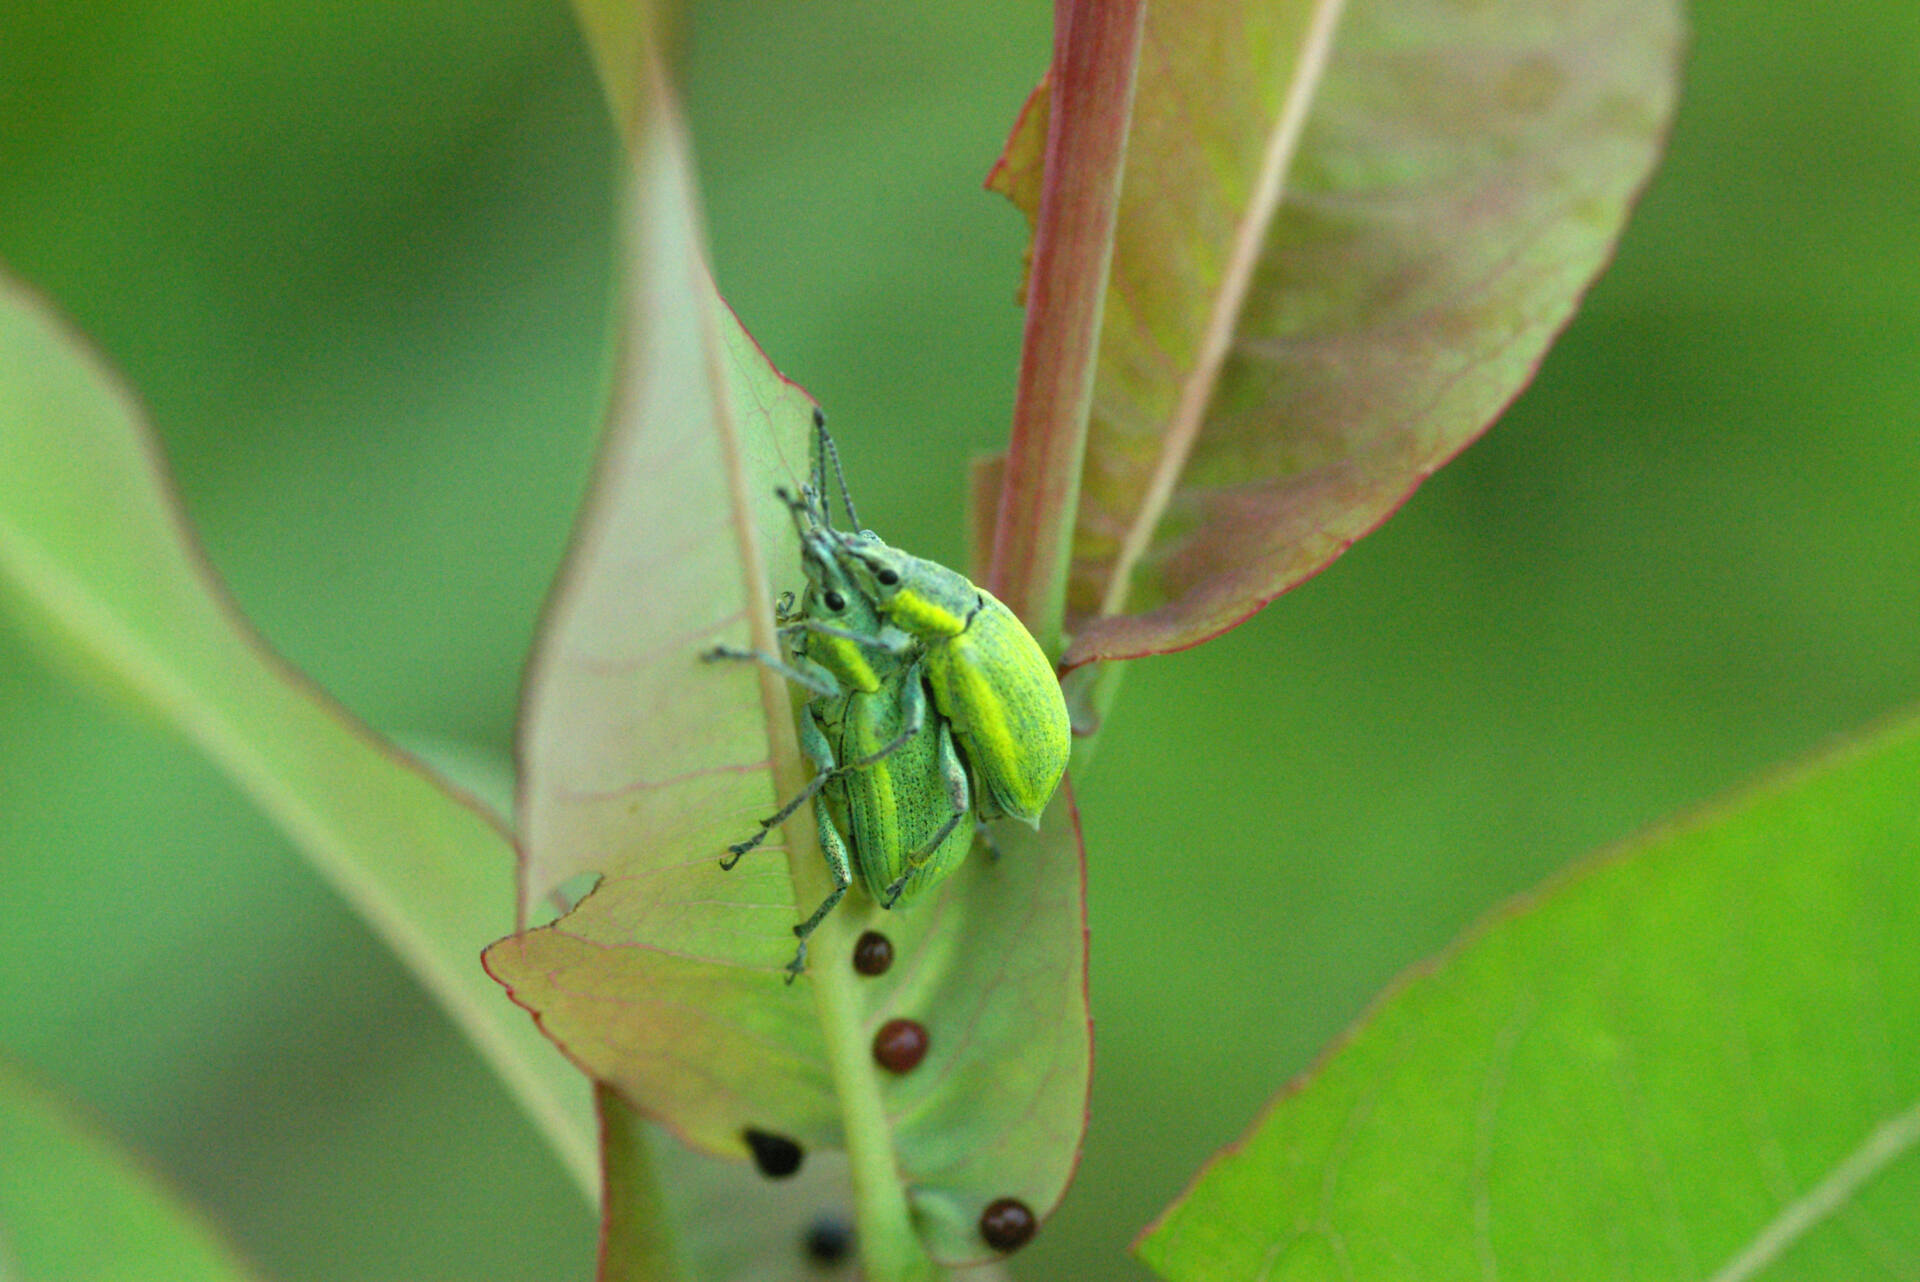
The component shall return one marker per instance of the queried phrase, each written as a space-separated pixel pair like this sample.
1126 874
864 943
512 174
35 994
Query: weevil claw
798 964
734 853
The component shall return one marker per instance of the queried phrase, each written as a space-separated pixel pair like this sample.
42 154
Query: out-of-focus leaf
73 1205
641 763
617 36
89 535
1347 236
1692 1059
734 1225
1022 165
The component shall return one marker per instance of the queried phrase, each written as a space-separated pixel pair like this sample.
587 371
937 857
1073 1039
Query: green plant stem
637 1243
1095 60
890 1250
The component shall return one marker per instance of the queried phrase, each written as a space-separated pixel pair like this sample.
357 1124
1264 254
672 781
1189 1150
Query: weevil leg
984 835
918 858
813 742
840 863
804 672
889 641
953 770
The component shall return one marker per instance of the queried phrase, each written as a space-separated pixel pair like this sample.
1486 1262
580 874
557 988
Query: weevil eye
833 600
886 578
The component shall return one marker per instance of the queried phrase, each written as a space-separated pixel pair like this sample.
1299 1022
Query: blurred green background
355 258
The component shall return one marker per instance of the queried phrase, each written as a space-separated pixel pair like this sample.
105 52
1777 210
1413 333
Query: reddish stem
1096 51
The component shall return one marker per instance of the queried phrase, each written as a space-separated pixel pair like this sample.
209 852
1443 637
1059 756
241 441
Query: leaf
641 763
73 1205
738 1226
1019 173
1348 234
89 535
1692 1058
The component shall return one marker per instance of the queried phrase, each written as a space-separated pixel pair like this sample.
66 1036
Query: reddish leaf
641 763
1347 237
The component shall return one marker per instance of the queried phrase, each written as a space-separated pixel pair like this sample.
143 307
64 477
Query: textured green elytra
991 681
902 797
891 795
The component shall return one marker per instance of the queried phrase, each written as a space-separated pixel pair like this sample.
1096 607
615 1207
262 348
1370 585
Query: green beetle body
990 679
909 817
890 794
909 813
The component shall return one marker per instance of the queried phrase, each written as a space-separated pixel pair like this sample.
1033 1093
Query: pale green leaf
91 539
74 1206
1696 1058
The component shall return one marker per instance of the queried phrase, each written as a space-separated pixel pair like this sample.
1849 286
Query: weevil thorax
920 597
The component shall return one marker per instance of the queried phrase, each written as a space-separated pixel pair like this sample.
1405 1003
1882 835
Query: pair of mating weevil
898 791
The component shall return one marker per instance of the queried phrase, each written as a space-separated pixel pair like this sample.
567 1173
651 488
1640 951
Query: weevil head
832 599
832 596
922 597
878 570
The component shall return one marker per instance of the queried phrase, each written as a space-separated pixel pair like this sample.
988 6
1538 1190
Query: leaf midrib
1885 1144
1223 316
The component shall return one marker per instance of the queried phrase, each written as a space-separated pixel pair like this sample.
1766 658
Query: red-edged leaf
641 763
1347 236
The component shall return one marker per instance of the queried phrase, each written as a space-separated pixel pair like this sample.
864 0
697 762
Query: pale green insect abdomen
997 687
891 811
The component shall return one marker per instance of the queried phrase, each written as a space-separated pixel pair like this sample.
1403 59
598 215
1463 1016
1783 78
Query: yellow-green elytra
990 679
902 794
890 793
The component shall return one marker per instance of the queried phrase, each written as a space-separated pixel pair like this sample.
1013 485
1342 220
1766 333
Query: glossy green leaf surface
90 539
1347 235
72 1205
1696 1058
641 763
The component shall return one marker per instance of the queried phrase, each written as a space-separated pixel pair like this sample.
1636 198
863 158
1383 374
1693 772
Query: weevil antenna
829 451
802 506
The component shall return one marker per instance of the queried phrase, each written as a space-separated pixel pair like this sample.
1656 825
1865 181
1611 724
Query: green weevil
990 680
890 793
